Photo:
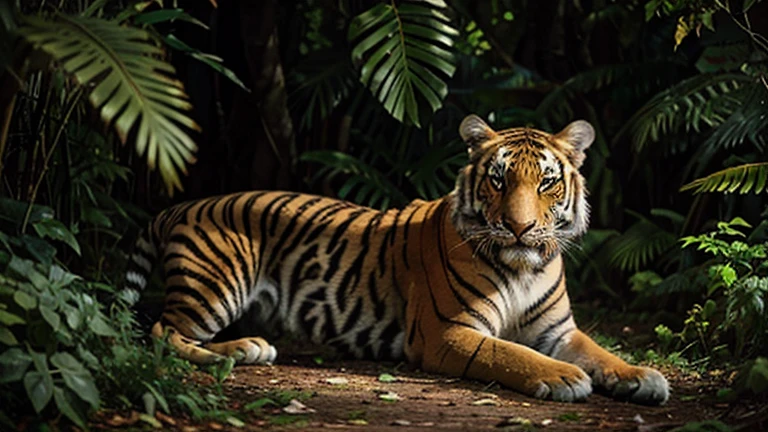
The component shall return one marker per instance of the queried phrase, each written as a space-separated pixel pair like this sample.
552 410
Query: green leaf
387 378
15 363
51 228
26 301
743 178
100 327
27 270
64 403
51 317
132 87
158 397
402 49
7 338
9 319
211 60
39 388
164 15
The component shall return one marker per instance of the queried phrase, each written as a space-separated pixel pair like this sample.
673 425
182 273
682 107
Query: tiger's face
521 198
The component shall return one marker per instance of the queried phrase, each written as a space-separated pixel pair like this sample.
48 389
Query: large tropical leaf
697 102
434 174
403 49
132 87
741 179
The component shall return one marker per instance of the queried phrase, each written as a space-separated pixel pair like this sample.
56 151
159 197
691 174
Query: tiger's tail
139 267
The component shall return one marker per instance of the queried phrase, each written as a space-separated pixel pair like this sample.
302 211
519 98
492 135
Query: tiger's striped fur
470 285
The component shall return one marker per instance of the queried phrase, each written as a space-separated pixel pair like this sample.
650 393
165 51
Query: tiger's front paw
636 384
566 383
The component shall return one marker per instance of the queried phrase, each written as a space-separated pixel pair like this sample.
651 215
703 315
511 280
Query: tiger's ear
474 131
577 137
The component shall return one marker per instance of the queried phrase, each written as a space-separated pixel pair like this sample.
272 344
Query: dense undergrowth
677 92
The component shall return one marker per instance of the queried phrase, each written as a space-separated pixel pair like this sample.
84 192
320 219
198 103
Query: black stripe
289 228
379 307
210 284
437 216
387 338
405 238
353 317
540 301
472 357
463 302
342 228
355 269
334 261
474 291
541 313
309 223
276 213
195 256
304 259
224 258
541 340
192 293
265 214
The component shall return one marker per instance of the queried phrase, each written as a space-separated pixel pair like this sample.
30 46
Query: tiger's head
521 198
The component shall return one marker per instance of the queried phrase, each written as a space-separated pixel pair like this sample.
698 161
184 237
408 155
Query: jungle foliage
112 110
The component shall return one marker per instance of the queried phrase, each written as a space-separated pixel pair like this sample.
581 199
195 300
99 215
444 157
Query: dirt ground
351 395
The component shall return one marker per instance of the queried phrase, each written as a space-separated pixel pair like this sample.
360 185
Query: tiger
471 285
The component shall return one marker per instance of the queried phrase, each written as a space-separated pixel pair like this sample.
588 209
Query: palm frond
363 184
434 174
641 78
696 102
637 247
318 84
402 49
741 179
132 87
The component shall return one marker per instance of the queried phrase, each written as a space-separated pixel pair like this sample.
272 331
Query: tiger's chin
521 257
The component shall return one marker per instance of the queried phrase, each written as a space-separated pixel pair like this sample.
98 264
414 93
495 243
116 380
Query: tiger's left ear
577 137
474 131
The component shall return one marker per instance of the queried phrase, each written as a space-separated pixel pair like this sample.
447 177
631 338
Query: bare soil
349 395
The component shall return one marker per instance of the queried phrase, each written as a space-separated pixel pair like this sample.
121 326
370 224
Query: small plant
738 281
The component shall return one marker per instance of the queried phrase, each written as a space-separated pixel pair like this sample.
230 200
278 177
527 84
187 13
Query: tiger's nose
519 228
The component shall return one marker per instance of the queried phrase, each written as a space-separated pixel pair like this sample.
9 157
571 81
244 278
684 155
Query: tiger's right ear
474 131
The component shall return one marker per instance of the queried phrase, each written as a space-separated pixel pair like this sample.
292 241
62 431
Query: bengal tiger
469 285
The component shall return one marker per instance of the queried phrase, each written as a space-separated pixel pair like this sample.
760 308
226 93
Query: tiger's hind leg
250 350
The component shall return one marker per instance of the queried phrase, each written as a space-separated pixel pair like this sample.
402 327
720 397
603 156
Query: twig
75 98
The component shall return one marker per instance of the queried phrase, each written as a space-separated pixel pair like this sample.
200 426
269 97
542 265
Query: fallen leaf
337 381
487 401
387 378
357 422
151 420
401 423
296 407
165 418
514 421
547 422
390 397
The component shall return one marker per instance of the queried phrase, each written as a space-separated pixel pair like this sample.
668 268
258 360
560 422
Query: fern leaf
403 50
369 185
434 174
699 101
131 87
318 84
742 179
639 246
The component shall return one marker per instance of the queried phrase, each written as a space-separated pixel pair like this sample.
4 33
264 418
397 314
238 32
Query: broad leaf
132 87
14 362
404 50
39 388
64 402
